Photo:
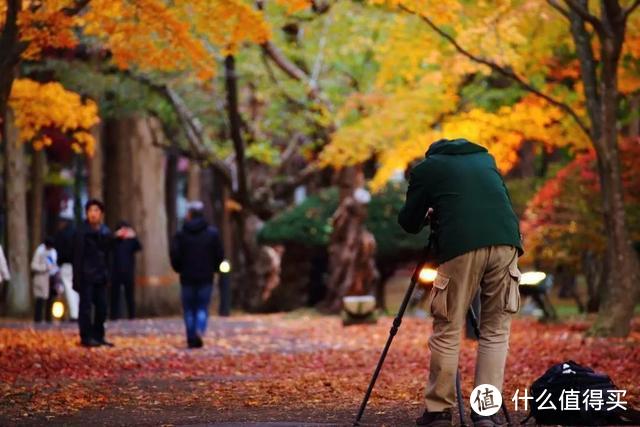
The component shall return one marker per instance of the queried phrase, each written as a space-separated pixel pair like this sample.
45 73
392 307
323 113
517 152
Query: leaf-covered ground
263 368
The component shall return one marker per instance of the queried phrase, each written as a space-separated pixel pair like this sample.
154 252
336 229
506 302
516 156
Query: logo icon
485 400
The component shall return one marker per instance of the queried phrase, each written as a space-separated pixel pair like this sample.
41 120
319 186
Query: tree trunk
208 195
616 311
38 166
290 278
149 219
246 277
137 189
171 191
18 299
634 126
526 166
193 182
10 51
118 167
596 273
95 165
616 308
352 268
222 219
78 180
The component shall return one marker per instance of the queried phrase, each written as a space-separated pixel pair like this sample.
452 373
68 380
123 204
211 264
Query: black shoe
90 343
195 342
486 421
435 419
106 343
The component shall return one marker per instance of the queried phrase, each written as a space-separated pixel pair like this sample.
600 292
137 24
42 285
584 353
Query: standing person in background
125 246
196 253
63 242
92 244
44 266
5 276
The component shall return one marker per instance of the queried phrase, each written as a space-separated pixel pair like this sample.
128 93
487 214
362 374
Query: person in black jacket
63 242
92 244
125 246
196 254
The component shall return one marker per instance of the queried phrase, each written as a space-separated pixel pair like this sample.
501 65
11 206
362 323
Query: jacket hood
195 225
454 147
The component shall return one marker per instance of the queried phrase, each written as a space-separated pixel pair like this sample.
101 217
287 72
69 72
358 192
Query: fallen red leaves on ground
270 361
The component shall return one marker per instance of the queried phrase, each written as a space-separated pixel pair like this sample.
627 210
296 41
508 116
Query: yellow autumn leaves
40 107
418 92
145 35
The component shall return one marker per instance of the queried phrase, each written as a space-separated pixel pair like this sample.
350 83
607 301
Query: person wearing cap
476 246
125 246
196 253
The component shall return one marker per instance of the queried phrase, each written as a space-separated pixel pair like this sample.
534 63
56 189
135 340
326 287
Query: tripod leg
507 417
460 398
392 333
474 321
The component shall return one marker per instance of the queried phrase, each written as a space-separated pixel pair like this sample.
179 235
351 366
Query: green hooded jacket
472 207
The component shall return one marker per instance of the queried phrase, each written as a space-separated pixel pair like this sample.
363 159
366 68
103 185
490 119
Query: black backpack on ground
571 378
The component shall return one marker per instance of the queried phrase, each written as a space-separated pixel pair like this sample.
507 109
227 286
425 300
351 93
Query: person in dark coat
63 242
125 246
476 247
196 254
92 245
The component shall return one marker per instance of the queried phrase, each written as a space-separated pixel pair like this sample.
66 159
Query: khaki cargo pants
495 271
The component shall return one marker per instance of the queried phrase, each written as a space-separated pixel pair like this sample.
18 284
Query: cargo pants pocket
512 292
438 297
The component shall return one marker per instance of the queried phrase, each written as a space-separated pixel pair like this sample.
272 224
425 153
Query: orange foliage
45 27
151 35
418 87
39 106
147 34
270 362
564 219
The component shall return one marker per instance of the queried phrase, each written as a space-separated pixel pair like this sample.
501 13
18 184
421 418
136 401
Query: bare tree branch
172 143
320 7
9 51
282 188
584 14
76 8
231 86
291 69
190 124
554 4
294 142
195 134
628 11
588 70
275 81
501 70
317 65
295 72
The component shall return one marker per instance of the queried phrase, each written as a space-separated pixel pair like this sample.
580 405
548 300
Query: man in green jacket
477 244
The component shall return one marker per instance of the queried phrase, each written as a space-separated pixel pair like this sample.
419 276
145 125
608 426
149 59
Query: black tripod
394 330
